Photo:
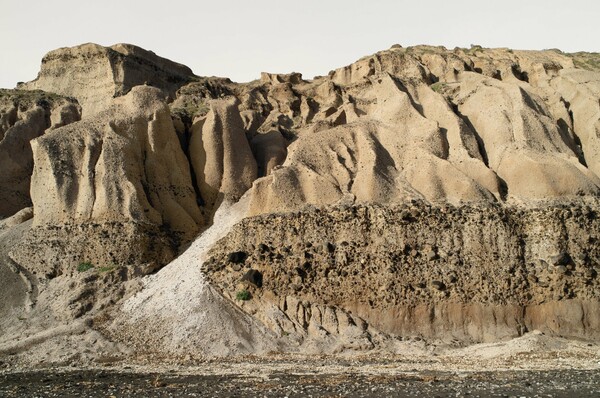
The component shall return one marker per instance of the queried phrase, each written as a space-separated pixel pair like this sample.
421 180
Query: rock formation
95 74
421 192
24 116
220 153
470 274
114 188
407 123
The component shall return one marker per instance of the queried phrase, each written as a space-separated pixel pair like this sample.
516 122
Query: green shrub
438 87
587 61
84 266
190 110
107 269
474 48
243 295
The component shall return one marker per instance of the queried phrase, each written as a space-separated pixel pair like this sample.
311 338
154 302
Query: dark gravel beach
103 383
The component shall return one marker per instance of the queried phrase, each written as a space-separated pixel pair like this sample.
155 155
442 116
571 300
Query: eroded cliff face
417 123
112 189
25 115
220 154
426 123
467 274
402 124
94 74
448 194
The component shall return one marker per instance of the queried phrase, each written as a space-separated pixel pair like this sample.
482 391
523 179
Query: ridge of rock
95 74
25 115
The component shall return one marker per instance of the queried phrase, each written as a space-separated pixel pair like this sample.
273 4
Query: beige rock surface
121 172
417 109
424 122
420 192
270 151
220 153
581 90
24 116
517 133
405 115
95 74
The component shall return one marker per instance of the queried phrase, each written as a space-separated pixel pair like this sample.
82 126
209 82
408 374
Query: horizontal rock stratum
418 192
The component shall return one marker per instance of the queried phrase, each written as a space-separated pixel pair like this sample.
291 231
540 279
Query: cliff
418 192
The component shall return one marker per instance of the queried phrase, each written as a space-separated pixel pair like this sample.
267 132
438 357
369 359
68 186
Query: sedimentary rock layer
466 273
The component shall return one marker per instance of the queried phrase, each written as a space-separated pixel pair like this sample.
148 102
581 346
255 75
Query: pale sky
240 38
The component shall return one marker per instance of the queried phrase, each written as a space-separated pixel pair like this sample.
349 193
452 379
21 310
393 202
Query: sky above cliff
239 39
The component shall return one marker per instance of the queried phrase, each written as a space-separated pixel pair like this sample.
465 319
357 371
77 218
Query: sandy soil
504 370
18 292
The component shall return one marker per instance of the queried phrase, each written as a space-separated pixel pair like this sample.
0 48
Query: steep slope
110 189
25 115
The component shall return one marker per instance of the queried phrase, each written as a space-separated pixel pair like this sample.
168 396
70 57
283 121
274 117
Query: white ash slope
177 311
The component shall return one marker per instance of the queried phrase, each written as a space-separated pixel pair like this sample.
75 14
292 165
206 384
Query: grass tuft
84 266
243 295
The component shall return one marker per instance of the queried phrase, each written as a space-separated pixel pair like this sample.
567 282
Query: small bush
107 269
243 295
191 109
85 266
474 48
438 87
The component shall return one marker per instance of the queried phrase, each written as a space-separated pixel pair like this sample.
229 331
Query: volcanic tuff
95 74
419 191
25 115
119 175
472 274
